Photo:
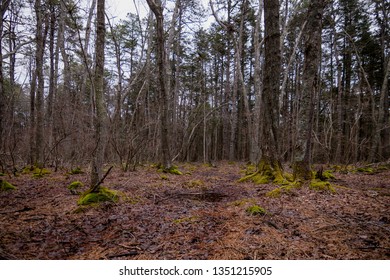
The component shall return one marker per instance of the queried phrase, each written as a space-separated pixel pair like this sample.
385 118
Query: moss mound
36 171
75 186
268 171
172 170
193 184
255 210
366 170
40 172
324 175
321 186
104 194
5 186
76 171
285 189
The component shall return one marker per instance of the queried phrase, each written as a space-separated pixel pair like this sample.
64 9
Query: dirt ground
198 215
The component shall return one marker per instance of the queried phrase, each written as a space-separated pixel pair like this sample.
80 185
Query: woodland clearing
201 214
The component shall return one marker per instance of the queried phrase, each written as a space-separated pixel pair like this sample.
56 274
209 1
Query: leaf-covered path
198 215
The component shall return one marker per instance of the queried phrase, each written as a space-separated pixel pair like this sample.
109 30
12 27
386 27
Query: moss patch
321 186
193 184
255 210
172 170
104 194
268 171
40 172
36 171
5 186
285 189
324 175
191 219
75 186
76 171
366 170
243 201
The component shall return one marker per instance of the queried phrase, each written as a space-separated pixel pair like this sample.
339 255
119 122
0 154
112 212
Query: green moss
28 169
173 170
164 177
40 172
75 186
249 169
286 188
324 175
76 171
268 171
37 172
322 186
258 178
243 201
328 174
194 184
255 210
5 186
275 193
186 220
104 194
366 170
2 174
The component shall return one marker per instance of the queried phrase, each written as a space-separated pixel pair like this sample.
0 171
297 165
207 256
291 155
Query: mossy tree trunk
98 154
310 79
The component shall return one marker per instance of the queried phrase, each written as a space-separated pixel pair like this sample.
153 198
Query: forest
220 129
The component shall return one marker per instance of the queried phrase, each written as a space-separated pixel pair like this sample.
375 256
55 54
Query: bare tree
98 153
3 8
157 9
310 80
270 161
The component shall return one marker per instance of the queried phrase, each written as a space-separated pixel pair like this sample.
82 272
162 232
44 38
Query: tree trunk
310 81
269 167
3 8
41 33
271 91
258 86
157 9
98 154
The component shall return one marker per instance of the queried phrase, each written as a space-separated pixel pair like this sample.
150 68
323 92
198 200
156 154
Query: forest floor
199 215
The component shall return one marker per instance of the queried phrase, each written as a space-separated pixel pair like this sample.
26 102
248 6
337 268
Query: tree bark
157 9
98 154
3 8
310 81
271 91
41 33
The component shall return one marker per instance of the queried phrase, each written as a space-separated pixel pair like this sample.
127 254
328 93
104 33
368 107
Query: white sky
120 8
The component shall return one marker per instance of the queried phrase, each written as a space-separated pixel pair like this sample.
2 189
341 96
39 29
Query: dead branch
96 187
